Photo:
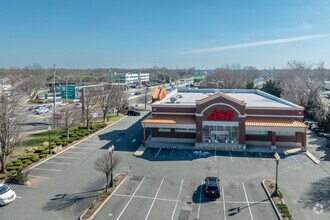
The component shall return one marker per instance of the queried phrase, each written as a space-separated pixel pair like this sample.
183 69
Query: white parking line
145 197
58 163
158 152
129 201
153 202
70 152
37 168
133 140
246 155
91 144
84 148
171 153
71 158
177 200
224 204
247 200
38 176
200 200
262 157
231 158
118 139
296 160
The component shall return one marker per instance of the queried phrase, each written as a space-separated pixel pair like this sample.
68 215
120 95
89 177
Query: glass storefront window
220 134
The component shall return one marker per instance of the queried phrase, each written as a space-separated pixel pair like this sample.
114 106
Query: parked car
133 112
131 93
78 105
137 93
212 187
41 110
6 195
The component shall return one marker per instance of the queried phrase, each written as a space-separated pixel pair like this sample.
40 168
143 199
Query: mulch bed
102 197
278 200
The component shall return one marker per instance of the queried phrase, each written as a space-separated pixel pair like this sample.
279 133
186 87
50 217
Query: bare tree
70 116
302 84
11 118
120 99
105 99
229 77
33 80
106 164
89 105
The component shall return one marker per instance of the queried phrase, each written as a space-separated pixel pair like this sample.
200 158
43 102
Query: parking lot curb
106 200
269 197
312 157
73 145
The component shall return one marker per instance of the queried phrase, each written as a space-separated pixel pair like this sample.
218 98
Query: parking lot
179 193
143 197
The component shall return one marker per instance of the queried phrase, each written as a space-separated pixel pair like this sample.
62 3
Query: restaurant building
225 119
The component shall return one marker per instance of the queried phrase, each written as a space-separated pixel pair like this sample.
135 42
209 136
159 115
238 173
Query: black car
212 187
133 112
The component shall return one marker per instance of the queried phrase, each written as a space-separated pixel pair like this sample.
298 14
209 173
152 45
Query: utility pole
66 90
54 97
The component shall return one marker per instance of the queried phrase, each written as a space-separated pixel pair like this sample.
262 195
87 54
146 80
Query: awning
170 121
273 122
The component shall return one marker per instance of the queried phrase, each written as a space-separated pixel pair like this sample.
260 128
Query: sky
171 33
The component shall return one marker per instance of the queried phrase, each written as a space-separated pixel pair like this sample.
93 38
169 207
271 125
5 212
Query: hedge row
41 152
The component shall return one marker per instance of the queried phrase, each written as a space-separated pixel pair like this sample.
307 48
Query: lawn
36 140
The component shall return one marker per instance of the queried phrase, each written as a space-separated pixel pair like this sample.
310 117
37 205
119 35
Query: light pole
277 158
50 150
111 149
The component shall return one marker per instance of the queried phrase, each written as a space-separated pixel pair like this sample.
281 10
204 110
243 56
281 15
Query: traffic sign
70 94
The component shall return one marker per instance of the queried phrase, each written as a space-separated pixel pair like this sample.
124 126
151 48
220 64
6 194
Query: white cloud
255 44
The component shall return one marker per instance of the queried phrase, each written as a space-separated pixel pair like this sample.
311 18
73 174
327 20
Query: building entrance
220 134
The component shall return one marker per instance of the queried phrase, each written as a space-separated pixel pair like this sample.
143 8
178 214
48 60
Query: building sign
221 115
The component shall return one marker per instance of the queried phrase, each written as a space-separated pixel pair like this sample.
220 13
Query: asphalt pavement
167 183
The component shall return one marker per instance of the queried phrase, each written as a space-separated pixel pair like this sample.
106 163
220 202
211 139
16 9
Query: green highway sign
70 94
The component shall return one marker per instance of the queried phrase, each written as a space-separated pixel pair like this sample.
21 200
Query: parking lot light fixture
277 159
50 150
111 150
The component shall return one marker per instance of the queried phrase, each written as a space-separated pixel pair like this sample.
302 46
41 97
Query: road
65 185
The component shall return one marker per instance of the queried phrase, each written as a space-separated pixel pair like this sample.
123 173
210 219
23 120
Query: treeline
301 83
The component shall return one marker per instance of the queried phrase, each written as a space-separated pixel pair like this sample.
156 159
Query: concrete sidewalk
221 147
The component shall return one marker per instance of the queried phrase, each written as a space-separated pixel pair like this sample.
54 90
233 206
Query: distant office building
129 78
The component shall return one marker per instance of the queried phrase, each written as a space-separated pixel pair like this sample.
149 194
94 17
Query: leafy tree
272 87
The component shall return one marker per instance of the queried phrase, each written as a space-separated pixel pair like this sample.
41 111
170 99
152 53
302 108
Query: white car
42 110
6 195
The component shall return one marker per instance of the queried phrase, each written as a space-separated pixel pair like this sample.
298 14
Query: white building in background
129 78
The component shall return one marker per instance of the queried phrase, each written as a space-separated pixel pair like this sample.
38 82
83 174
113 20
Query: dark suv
212 187
133 112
